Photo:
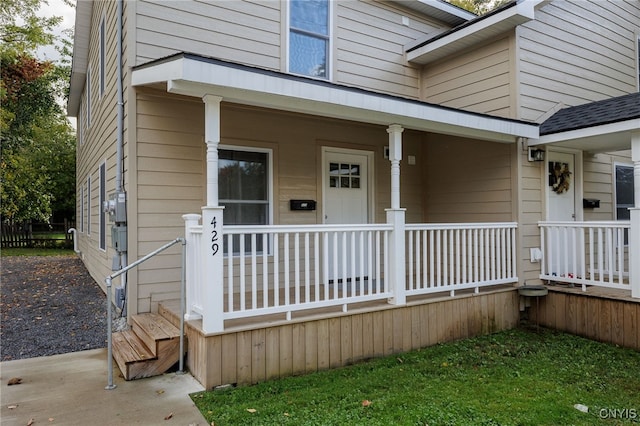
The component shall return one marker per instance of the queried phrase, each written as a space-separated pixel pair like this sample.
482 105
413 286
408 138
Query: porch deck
251 350
600 313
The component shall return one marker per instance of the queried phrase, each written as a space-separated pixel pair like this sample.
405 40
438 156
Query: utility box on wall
119 238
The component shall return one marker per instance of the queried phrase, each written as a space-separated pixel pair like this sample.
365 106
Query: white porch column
396 217
395 156
212 139
212 221
634 232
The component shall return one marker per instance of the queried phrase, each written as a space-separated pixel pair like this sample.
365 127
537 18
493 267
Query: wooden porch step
150 348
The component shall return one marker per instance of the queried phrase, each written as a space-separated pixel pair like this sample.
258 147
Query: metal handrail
110 384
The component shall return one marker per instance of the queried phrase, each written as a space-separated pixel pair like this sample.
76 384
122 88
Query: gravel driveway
49 305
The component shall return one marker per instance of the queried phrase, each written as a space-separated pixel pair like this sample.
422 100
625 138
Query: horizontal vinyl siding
99 142
369 47
599 183
477 80
576 52
239 31
170 183
474 185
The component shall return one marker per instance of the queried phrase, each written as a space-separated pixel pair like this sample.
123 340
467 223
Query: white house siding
369 46
576 52
479 80
98 142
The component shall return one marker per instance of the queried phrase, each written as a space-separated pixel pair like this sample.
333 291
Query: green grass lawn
36 252
517 377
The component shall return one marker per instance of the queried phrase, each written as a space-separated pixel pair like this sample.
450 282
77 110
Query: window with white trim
103 197
89 205
638 63
80 125
309 36
102 55
81 198
624 190
244 190
88 95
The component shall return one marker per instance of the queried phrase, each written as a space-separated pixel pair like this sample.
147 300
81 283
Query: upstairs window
309 37
88 95
102 55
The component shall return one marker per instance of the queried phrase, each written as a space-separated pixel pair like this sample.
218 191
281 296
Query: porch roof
605 125
194 75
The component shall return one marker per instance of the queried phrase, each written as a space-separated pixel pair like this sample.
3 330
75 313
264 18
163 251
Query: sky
56 8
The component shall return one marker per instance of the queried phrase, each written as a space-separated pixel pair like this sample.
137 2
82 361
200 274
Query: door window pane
344 175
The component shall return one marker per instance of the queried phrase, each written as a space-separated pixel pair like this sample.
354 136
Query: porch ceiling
194 75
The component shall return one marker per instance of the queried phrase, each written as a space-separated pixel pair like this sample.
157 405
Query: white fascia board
80 60
439 9
191 77
476 32
607 137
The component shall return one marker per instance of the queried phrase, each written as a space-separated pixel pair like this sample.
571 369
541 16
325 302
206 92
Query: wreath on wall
559 176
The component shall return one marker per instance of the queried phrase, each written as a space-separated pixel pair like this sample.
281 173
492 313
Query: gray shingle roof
608 111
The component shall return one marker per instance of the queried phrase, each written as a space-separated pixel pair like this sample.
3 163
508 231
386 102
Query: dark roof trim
316 82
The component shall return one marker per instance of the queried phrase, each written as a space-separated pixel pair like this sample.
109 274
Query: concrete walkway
69 389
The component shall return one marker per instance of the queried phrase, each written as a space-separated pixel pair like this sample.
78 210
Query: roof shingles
592 114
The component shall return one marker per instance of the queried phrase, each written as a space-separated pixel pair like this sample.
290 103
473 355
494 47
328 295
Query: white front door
561 206
346 201
561 178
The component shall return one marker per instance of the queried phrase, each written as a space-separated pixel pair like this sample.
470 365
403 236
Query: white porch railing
282 269
586 253
456 256
289 268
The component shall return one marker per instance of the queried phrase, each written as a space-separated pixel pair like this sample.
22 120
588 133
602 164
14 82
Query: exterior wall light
536 154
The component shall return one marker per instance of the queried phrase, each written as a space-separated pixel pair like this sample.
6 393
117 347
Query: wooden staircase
149 348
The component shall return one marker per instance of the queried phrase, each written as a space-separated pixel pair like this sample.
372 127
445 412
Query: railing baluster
254 277
241 257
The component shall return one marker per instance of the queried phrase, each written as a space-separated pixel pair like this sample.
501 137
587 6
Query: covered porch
288 297
596 254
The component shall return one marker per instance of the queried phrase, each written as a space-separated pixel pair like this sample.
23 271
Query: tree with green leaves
37 163
479 7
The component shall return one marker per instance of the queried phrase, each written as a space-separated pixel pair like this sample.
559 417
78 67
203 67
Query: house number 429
214 237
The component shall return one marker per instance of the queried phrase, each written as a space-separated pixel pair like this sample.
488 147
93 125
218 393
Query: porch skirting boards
249 354
606 315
